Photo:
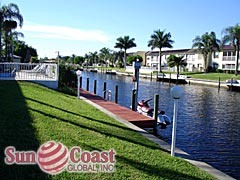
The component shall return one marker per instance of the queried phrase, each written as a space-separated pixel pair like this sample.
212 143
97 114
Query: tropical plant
9 12
206 44
104 55
232 36
125 43
160 39
93 57
133 58
177 61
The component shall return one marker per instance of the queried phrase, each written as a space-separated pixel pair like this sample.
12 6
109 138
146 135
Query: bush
219 71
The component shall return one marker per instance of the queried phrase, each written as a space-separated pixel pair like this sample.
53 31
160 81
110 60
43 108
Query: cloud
66 33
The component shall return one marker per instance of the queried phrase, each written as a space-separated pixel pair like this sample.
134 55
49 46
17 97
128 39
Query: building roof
167 52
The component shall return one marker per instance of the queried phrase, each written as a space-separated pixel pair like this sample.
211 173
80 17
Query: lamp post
136 65
78 72
176 93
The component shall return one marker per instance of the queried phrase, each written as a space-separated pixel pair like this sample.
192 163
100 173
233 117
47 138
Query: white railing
27 71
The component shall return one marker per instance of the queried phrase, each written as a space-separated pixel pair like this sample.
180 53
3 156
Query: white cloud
66 33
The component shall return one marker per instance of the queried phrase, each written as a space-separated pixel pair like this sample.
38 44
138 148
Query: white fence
27 71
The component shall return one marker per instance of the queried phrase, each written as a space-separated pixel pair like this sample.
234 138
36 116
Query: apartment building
225 59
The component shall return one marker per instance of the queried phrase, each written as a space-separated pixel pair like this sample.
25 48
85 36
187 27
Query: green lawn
31 115
215 76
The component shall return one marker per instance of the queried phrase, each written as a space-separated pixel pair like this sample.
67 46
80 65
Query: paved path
120 111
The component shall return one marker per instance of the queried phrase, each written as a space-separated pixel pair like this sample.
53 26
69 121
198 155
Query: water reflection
208 120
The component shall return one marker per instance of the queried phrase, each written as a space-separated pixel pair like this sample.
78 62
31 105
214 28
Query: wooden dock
120 111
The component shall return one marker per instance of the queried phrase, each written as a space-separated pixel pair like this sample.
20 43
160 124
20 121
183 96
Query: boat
113 72
233 84
173 78
162 121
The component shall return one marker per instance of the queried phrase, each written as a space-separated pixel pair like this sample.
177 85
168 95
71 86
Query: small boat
93 70
233 84
111 72
173 78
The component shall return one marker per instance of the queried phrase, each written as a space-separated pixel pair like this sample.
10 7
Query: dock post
116 94
157 76
87 88
162 77
219 82
104 90
134 100
155 112
80 81
95 87
151 76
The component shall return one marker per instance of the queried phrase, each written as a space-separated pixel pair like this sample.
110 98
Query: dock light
176 92
78 72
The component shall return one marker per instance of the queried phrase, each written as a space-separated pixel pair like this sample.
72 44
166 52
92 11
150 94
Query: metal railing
28 71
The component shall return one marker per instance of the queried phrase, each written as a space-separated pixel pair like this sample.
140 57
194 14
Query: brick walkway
120 111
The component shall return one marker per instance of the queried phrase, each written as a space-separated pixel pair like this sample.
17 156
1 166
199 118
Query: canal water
208 120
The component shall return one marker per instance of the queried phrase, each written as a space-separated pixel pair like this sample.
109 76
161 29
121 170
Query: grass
31 115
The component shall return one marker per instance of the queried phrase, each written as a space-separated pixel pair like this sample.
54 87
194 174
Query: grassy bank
31 115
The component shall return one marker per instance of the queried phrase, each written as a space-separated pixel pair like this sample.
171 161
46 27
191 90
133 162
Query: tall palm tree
160 39
9 12
8 25
14 41
177 61
232 36
206 44
104 54
125 43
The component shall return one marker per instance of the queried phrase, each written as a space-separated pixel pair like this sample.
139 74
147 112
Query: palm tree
14 41
104 55
160 40
206 44
125 43
232 36
177 61
9 12
8 25
93 57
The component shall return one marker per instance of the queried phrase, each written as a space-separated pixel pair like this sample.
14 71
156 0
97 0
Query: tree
78 60
93 57
232 36
104 55
134 58
125 43
177 61
21 49
9 12
206 44
8 25
160 39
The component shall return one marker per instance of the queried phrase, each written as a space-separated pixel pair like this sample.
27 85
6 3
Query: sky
82 26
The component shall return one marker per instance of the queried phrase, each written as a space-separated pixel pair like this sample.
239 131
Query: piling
219 83
116 94
104 90
95 87
151 76
87 88
134 99
80 81
155 112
